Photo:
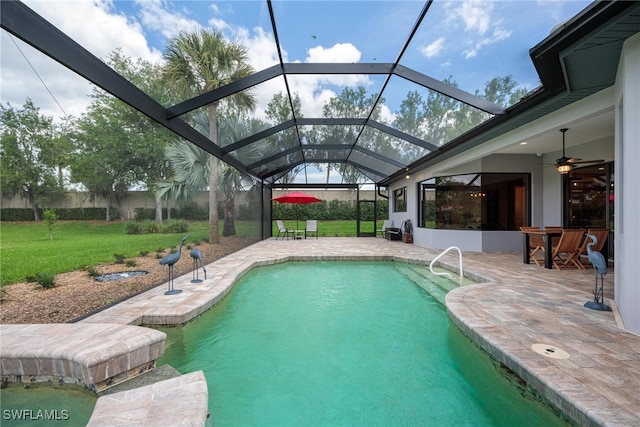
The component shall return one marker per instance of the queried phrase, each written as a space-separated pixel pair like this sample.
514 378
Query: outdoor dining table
547 235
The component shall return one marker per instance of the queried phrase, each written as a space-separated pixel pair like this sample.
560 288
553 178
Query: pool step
436 286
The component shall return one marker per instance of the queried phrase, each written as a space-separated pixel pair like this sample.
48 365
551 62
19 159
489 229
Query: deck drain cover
550 351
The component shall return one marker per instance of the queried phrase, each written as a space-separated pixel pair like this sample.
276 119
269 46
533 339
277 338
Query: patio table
547 235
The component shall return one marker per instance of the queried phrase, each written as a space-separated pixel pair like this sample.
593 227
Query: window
592 197
478 201
427 212
400 200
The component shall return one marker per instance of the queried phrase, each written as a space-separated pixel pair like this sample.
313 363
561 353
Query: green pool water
41 405
343 343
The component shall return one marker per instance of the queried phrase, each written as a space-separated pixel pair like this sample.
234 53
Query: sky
471 41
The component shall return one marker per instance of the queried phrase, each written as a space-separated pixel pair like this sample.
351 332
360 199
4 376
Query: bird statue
170 260
197 256
600 269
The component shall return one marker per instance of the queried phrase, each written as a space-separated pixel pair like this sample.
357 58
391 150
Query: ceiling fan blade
580 161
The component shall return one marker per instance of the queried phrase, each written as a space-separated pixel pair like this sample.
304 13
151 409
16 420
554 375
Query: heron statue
600 269
170 260
197 257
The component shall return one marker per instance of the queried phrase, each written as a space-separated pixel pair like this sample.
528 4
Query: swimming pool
343 343
45 405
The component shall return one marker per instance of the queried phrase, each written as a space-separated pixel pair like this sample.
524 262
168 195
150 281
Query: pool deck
520 305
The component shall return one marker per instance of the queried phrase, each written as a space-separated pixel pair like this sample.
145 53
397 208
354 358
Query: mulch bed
77 294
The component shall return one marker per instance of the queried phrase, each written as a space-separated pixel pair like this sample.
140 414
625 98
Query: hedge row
333 210
77 214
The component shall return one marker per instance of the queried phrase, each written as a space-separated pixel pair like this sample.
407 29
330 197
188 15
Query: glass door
591 192
365 222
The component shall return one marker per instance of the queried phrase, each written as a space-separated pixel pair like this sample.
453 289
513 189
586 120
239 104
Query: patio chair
381 231
536 245
566 252
554 239
312 227
602 234
283 231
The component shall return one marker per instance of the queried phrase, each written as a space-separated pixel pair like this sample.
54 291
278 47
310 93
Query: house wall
623 147
627 172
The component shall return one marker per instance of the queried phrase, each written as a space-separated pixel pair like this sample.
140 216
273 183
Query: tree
191 166
118 147
430 119
351 103
234 128
153 138
279 111
28 149
501 91
200 62
50 218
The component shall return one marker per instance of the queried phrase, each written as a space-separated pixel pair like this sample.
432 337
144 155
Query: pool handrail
444 273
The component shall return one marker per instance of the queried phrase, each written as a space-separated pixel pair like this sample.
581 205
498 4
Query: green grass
26 249
330 228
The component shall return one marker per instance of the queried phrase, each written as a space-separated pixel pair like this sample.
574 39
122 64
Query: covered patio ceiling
568 62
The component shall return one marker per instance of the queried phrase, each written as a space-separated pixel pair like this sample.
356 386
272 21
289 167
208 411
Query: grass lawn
26 249
329 228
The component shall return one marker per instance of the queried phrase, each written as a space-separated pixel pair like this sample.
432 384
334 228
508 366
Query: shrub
176 226
143 253
133 228
150 227
131 263
46 280
119 258
92 271
73 214
17 214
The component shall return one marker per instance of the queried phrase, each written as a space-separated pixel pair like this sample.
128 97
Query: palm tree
234 128
200 62
191 166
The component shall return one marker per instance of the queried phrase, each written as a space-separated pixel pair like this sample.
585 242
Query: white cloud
100 31
386 116
476 15
433 49
476 18
340 52
498 35
218 24
155 17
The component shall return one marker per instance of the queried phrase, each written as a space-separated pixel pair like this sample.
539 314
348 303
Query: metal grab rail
444 273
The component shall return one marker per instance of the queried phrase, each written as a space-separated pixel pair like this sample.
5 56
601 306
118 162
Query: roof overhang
578 59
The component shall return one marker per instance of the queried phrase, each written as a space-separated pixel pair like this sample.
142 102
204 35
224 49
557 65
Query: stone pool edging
177 401
493 324
93 356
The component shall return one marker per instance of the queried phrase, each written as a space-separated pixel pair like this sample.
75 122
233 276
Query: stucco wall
142 199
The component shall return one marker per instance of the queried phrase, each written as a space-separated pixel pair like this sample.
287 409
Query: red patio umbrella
297 198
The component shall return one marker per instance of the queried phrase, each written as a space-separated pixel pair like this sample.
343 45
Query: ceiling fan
564 164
